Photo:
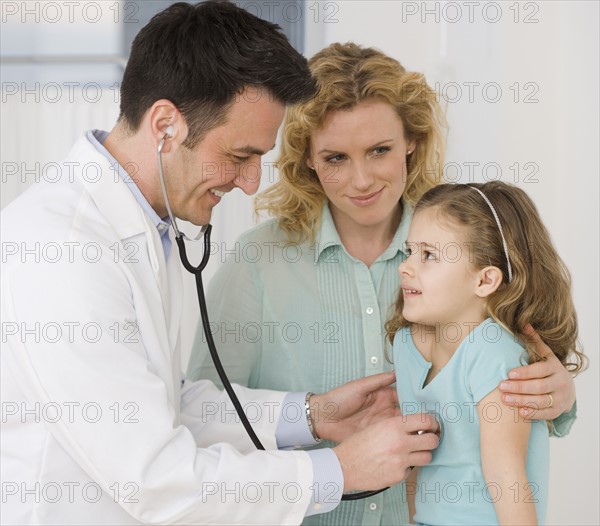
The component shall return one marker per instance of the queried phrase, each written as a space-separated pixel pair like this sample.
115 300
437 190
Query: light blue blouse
452 488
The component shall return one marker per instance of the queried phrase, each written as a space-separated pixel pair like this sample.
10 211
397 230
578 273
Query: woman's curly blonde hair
346 75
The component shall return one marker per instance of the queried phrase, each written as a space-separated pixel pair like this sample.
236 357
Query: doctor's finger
423 443
375 382
420 458
420 422
387 395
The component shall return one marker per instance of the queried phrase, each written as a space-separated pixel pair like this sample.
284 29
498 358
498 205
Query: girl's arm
504 437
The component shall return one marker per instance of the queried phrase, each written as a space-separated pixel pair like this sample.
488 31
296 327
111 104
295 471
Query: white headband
499 228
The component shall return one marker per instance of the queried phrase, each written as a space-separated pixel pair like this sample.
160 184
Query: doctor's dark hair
200 57
540 290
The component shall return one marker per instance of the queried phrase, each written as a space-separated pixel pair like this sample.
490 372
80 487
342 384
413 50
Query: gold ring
550 401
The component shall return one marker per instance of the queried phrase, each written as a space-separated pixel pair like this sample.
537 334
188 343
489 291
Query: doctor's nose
248 180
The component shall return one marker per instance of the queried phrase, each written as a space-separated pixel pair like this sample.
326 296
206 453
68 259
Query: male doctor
98 425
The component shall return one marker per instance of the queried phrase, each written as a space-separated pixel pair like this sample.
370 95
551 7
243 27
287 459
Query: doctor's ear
172 136
166 122
488 281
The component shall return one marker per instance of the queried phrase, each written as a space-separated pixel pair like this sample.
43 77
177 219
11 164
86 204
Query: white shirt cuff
292 429
328 484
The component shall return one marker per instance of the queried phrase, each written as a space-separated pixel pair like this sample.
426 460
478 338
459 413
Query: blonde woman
301 303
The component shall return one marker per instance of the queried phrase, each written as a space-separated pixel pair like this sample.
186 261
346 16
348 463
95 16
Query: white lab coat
97 427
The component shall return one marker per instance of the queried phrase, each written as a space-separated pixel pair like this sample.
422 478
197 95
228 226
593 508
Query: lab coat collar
108 190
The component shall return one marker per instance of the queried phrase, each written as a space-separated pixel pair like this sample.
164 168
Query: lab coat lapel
174 291
168 278
109 191
175 288
159 265
120 208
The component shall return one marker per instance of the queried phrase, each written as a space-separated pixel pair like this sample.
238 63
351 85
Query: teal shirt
306 318
452 489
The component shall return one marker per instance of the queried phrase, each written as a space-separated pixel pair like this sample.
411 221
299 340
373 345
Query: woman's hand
543 390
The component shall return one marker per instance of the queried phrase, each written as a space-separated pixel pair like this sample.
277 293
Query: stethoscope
197 272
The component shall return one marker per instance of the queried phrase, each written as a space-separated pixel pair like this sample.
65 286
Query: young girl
481 265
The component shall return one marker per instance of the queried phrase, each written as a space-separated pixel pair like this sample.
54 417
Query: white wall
554 60
550 56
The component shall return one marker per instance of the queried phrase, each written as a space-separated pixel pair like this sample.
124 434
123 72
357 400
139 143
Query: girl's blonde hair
540 290
346 75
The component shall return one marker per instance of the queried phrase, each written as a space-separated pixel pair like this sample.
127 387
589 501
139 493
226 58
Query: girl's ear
488 280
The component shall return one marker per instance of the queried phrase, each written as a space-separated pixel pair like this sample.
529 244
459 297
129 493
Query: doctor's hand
383 453
543 390
343 411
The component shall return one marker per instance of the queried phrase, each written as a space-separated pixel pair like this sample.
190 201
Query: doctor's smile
218 193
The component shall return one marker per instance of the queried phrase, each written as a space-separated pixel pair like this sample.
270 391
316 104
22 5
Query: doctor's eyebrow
251 150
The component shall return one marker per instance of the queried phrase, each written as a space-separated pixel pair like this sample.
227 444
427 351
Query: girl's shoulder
489 334
490 352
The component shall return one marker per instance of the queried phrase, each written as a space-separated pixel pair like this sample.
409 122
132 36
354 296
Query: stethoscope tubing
197 272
